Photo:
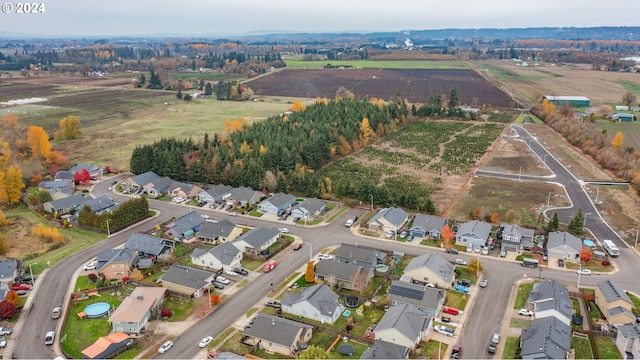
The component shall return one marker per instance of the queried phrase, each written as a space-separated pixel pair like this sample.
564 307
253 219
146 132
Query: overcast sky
149 17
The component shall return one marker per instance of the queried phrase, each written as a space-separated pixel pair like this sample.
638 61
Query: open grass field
416 85
378 64
526 83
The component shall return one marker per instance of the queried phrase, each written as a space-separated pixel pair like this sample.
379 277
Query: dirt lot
417 85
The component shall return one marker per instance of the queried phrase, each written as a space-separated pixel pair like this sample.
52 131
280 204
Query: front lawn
517 322
511 346
463 273
524 256
430 350
523 294
456 299
251 264
235 345
180 307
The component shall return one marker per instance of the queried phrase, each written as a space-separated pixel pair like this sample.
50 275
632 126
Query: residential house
187 280
389 219
256 240
4 290
547 338
550 299
224 256
158 186
106 346
93 170
63 175
216 194
148 245
614 303
385 350
426 299
562 245
114 264
101 205
9 270
66 205
346 275
276 334
309 208
403 325
628 341
515 238
138 181
431 268
218 232
183 190
364 256
185 227
243 197
277 204
64 186
427 225
135 311
474 233
317 303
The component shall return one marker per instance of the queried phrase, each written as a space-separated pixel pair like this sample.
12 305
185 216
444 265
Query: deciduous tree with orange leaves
447 235
69 128
38 141
585 254
618 140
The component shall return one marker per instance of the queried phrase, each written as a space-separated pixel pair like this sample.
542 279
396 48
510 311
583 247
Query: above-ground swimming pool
97 310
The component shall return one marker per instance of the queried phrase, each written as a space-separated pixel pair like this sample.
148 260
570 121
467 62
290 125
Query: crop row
426 136
392 157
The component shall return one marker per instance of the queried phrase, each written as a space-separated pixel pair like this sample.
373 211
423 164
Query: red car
21 287
450 310
297 246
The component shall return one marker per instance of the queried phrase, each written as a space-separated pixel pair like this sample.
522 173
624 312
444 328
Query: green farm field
379 64
631 131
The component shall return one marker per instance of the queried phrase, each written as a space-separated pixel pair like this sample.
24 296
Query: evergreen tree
577 223
453 99
553 223
179 94
208 89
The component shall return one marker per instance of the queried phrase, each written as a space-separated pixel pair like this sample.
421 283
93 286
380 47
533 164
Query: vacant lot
416 85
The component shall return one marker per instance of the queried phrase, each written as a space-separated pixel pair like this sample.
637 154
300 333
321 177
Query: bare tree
359 281
629 98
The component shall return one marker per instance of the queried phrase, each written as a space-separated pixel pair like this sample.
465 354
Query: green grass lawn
337 213
582 348
379 64
235 345
403 264
523 294
607 348
430 350
636 302
251 264
456 299
511 346
519 323
594 311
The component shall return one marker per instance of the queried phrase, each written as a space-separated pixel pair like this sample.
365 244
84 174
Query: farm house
577 101
621 116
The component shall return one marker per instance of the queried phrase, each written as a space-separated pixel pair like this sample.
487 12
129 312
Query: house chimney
140 297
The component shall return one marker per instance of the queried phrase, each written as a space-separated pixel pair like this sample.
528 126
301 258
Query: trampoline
97 310
346 349
352 301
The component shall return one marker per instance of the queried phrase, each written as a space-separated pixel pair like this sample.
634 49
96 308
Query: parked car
445 319
483 283
462 289
464 282
49 338
297 246
241 271
469 248
284 230
492 348
525 312
349 222
584 272
403 234
441 329
451 251
495 339
456 352
389 234
284 216
461 262
270 265
18 287
91 266
450 310
560 262
325 257
5 331
233 213
165 347
21 292
206 341
109 188
217 285
273 304
503 253
204 216
3 343
296 219
222 279
485 250
410 238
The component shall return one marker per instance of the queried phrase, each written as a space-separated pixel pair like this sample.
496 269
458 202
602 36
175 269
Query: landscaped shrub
606 263
166 312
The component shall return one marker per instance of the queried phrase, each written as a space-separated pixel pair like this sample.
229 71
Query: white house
256 240
562 245
550 299
389 219
277 204
224 256
474 233
431 268
404 325
317 302
309 208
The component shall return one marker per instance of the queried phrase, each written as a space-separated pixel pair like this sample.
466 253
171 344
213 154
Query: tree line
126 214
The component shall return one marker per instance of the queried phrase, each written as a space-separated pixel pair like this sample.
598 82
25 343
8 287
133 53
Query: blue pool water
97 310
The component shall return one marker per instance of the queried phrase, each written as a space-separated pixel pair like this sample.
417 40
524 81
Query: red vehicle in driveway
450 310
270 265
21 287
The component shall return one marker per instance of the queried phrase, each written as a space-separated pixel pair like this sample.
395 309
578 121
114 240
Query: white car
165 347
525 312
584 272
389 234
284 230
49 338
443 330
204 342
205 216
325 257
91 266
461 262
223 280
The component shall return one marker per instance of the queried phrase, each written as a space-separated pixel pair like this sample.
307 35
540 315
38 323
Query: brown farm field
525 84
416 85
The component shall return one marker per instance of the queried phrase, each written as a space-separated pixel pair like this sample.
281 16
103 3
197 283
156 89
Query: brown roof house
347 275
187 280
114 264
106 346
134 312
277 334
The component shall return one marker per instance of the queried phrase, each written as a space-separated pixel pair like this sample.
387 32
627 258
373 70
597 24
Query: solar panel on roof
415 294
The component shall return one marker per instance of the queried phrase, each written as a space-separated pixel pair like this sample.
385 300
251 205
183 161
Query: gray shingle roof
280 199
613 292
406 319
414 294
218 191
8 269
551 294
312 205
360 253
559 238
224 252
59 185
147 244
340 271
185 187
385 350
144 178
525 235
428 222
63 174
321 297
110 256
629 331
162 184
435 263
70 201
246 194
258 236
99 204
275 329
395 216
211 230
187 276
186 222
547 337
480 228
